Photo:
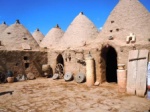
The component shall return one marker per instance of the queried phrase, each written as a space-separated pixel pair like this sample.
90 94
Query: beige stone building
19 52
3 26
52 38
127 28
38 36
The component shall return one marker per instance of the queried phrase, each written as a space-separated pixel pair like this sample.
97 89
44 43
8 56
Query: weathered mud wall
73 60
22 62
69 58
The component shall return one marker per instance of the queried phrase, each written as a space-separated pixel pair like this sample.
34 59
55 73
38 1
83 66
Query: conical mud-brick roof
128 17
38 36
80 31
17 37
3 26
52 38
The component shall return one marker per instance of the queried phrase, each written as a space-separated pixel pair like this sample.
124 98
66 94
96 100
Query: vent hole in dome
112 21
111 30
117 29
8 32
25 38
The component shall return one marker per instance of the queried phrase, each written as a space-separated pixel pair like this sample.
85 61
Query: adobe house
19 52
38 36
68 52
52 38
127 28
3 26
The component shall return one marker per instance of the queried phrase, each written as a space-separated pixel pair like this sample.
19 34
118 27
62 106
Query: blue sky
45 14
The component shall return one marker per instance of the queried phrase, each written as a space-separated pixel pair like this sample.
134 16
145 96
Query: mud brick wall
69 59
23 62
74 65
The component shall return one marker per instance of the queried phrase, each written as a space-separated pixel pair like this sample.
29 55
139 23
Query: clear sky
45 14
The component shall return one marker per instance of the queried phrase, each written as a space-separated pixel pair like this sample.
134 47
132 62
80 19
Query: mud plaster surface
47 95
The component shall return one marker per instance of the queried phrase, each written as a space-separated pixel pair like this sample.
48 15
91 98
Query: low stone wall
22 62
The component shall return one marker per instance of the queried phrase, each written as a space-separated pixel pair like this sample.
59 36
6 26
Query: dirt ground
48 95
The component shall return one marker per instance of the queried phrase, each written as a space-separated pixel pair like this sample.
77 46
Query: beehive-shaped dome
52 38
17 37
128 17
80 31
38 36
3 26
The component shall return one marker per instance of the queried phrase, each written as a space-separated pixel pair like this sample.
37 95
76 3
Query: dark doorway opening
109 55
60 59
27 65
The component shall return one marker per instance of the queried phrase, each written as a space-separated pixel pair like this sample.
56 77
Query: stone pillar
89 71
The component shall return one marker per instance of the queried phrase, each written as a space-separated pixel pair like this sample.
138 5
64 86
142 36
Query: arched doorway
109 55
60 59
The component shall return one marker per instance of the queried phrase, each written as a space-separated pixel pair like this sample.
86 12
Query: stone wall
23 62
70 58
73 60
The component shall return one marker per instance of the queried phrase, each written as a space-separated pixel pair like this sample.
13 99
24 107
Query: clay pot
45 67
30 76
10 79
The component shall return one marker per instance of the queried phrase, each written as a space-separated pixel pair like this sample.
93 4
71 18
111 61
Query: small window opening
25 58
111 30
112 21
69 57
149 39
27 65
66 59
25 38
8 32
45 47
117 29
17 64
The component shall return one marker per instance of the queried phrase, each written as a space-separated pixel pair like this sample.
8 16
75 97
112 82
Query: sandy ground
47 95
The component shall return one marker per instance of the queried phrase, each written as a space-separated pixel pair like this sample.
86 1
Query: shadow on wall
94 71
109 54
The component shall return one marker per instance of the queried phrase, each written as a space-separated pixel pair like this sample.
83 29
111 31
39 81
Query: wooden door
141 72
137 72
131 72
